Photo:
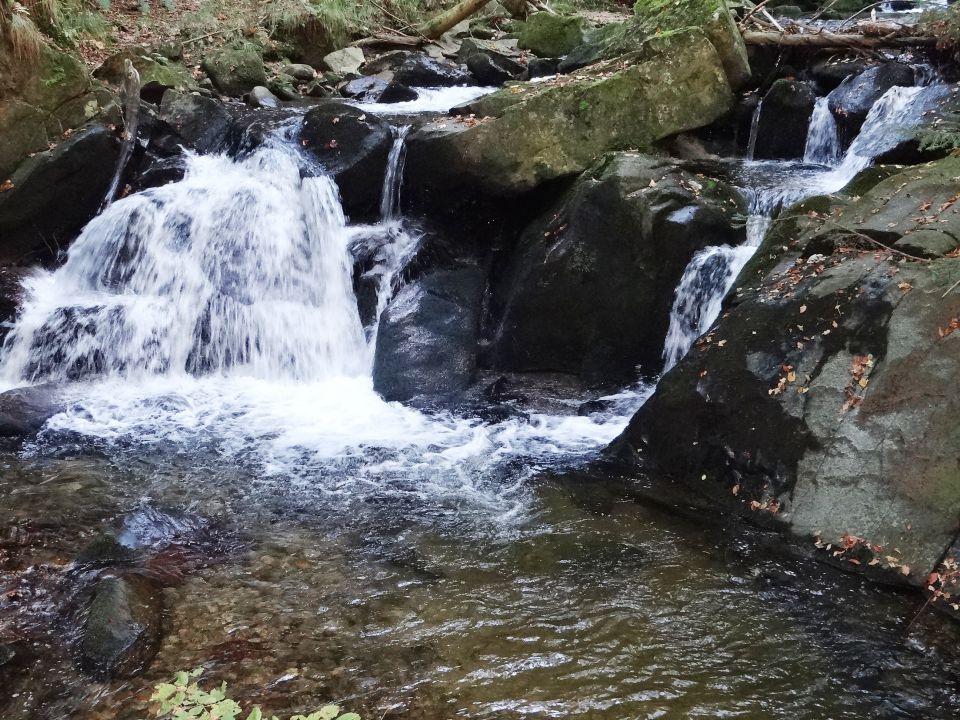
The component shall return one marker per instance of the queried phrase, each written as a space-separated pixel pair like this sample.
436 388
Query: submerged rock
427 341
353 146
588 289
538 132
54 194
823 400
24 411
784 120
123 627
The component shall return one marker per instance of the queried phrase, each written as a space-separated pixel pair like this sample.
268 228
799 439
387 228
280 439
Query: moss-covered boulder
543 131
549 35
236 69
42 100
824 399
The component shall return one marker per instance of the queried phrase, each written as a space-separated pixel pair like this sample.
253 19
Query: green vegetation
184 699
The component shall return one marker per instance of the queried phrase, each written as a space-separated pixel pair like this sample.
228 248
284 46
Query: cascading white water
393 179
240 267
754 128
712 272
823 142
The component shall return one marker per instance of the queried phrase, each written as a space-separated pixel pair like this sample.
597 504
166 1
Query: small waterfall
393 179
754 126
242 267
711 273
823 143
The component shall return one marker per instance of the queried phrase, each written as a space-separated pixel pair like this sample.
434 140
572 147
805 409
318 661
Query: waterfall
823 143
241 267
712 272
393 178
754 127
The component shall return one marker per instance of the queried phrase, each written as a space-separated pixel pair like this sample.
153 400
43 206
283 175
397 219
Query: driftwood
835 40
434 28
389 40
130 93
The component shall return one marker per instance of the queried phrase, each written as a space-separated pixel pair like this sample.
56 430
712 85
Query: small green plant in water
184 699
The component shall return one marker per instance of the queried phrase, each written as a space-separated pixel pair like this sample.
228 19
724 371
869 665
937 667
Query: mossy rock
155 71
236 69
713 17
549 35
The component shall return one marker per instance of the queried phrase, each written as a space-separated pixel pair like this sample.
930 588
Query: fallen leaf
6 185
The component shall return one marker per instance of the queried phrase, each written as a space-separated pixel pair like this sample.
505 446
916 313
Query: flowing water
318 543
823 141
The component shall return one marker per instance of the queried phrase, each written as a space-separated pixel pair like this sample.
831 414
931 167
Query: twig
215 32
950 289
755 8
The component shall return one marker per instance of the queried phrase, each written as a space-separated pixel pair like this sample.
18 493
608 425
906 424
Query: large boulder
532 133
374 89
823 401
784 120
123 626
42 99
551 35
421 70
427 340
589 287
852 99
54 194
193 122
353 146
236 69
344 62
24 411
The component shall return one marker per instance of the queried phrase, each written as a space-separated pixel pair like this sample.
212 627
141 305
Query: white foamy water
431 100
823 141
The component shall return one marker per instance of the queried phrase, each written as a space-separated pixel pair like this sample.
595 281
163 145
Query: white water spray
823 142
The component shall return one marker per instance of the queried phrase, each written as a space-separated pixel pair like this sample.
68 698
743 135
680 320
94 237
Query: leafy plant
184 699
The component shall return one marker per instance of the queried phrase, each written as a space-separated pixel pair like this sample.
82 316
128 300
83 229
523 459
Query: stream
316 543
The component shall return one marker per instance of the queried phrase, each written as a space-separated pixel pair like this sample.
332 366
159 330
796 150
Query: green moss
548 35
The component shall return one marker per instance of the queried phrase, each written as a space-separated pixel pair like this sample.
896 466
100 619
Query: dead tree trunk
834 40
433 29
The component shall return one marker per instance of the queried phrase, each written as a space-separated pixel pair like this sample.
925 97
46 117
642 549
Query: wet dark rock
25 411
353 146
105 550
198 123
283 87
593 407
784 120
261 97
427 342
835 367
493 69
387 62
420 70
378 90
852 99
7 654
588 289
236 69
54 194
122 630
830 72
541 67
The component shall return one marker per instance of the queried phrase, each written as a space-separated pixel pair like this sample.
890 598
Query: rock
260 97
236 69
283 87
420 70
157 73
493 69
828 408
932 243
123 627
852 99
541 67
589 288
344 61
299 71
24 411
470 46
42 99
388 62
830 72
602 43
353 146
55 194
550 35
198 123
427 341
543 131
378 90
105 550
784 120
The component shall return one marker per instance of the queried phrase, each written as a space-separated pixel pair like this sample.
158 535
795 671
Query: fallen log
835 40
436 27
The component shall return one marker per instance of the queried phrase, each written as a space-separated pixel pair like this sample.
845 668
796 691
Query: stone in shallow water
25 410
